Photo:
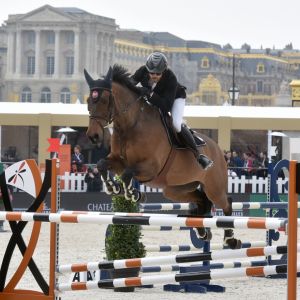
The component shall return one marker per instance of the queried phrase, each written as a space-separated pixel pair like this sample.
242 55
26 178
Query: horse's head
100 107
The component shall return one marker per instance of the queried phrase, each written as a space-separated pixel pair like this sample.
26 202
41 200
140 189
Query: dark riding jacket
166 90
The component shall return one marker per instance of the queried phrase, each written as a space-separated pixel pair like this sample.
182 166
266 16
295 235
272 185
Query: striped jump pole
261 205
145 207
135 219
111 213
173 278
164 228
177 268
171 259
190 247
223 265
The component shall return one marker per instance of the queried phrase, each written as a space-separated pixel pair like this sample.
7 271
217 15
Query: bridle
99 118
111 108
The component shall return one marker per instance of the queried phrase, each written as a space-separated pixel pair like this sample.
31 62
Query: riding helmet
156 62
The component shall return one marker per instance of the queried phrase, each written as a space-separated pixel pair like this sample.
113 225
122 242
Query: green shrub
123 241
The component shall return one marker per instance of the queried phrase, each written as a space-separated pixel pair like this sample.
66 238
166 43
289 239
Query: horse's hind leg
229 238
203 209
203 204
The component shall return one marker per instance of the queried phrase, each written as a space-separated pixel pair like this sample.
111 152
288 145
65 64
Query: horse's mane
122 76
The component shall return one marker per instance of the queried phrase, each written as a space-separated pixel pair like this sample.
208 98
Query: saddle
174 138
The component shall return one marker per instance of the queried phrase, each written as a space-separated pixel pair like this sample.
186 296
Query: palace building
43 53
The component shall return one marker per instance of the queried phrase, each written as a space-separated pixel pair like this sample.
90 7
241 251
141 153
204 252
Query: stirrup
205 162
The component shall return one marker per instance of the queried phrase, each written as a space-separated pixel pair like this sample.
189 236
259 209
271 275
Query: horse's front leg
130 192
106 165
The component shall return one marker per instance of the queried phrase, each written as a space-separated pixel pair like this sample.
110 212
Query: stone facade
47 50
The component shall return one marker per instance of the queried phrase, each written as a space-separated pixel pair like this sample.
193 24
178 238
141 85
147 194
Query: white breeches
177 113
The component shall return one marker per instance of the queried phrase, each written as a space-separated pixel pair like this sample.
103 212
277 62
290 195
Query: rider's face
155 77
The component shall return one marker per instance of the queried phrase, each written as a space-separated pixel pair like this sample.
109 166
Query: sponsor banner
102 202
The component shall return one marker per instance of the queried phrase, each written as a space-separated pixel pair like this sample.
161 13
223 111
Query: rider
160 86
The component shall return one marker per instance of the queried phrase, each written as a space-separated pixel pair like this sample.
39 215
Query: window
46 95
30 65
260 68
50 65
50 37
209 98
205 63
26 95
259 86
70 37
31 37
65 95
70 65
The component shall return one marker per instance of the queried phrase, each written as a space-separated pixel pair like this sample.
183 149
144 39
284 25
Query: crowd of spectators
92 177
248 163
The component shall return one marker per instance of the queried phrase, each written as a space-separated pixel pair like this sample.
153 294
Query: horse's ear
108 77
88 77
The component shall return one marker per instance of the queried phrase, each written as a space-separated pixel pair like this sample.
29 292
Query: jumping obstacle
216 222
238 209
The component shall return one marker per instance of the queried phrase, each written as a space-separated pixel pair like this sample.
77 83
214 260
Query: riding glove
145 92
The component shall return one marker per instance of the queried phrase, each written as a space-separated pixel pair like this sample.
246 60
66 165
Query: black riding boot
188 139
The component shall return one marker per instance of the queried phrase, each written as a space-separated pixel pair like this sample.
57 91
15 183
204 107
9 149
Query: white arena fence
72 182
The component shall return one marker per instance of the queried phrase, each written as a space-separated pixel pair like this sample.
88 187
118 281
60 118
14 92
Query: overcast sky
259 23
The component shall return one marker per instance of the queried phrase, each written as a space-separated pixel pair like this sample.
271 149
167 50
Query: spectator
237 163
77 160
228 159
263 164
93 180
248 164
97 182
88 179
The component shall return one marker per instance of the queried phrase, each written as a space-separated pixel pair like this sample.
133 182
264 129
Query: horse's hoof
137 196
208 235
109 190
234 244
204 234
116 189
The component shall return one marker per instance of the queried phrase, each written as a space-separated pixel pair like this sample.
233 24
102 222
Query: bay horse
140 150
